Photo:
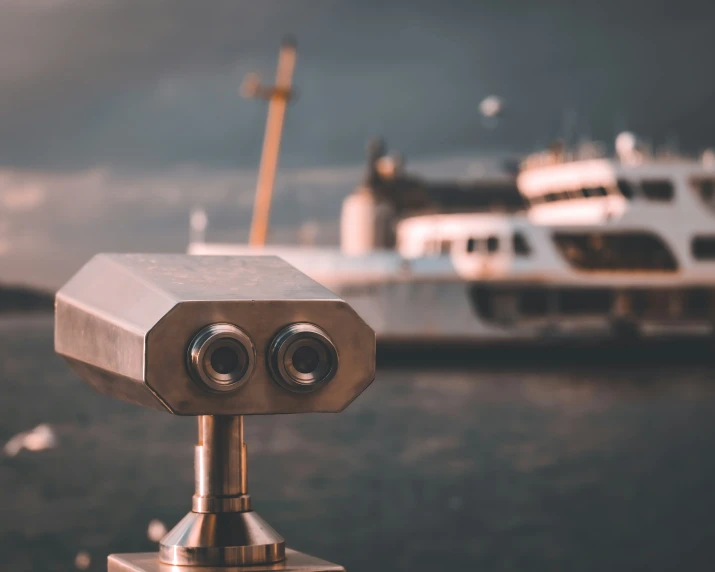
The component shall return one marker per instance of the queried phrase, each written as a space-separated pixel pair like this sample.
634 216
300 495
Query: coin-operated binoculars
219 338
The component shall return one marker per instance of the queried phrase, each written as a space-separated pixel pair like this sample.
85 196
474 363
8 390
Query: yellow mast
278 96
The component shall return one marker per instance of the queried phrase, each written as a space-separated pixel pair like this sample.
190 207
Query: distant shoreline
24 300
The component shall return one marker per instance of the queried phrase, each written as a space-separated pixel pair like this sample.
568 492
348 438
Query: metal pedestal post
149 562
217 337
222 532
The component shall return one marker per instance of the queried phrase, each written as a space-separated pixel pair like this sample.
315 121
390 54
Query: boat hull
408 302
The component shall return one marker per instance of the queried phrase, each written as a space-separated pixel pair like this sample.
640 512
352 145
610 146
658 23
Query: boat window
703 247
475 245
521 246
595 192
556 196
630 251
445 246
576 194
535 199
492 244
706 189
432 247
625 188
658 190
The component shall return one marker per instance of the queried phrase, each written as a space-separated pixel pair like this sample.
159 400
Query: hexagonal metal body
124 323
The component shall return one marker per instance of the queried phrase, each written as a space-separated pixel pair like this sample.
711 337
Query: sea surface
494 461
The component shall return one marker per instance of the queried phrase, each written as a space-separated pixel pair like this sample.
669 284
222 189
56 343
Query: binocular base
149 562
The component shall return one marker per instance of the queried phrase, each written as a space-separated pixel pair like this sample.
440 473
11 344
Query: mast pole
278 96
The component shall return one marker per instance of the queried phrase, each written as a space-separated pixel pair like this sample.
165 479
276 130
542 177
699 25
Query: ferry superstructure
600 248
652 218
578 246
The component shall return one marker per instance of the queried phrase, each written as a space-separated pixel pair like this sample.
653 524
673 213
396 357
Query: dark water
503 466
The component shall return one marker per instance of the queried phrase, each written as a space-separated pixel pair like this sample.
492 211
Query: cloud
148 85
119 116
102 209
20 195
52 222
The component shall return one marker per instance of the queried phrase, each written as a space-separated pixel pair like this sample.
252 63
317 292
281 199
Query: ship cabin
642 214
481 246
604 241
463 234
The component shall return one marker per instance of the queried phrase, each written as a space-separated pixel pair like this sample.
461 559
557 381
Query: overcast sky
117 116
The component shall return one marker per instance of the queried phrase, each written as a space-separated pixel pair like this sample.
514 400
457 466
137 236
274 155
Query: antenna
277 96
198 221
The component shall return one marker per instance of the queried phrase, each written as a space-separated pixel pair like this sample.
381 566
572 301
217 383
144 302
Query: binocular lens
221 357
305 359
226 360
302 358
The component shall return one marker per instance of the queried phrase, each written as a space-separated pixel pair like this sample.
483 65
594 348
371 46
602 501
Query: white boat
607 246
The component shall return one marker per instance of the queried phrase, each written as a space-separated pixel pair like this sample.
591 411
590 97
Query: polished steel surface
315 370
222 539
125 322
220 466
221 529
149 562
217 337
234 344
102 316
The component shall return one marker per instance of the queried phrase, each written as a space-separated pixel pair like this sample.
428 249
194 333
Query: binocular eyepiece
212 335
216 337
301 357
221 357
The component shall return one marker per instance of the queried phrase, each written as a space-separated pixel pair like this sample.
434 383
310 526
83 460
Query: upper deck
599 190
634 207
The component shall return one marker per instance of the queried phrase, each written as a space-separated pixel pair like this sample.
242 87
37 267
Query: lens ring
225 346
294 372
